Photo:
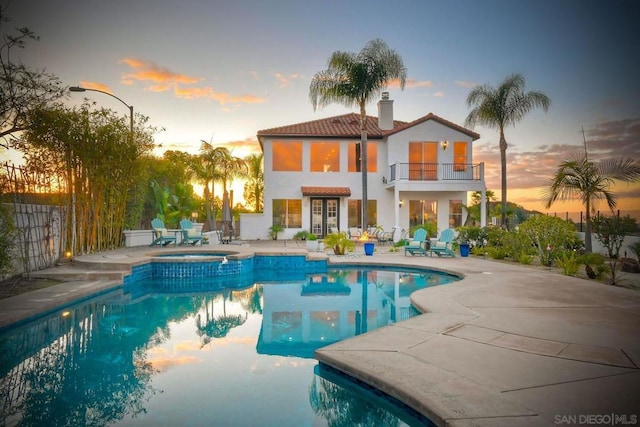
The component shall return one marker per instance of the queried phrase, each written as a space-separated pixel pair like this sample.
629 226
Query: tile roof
326 191
348 126
345 126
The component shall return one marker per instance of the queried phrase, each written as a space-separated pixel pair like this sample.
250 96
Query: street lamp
130 107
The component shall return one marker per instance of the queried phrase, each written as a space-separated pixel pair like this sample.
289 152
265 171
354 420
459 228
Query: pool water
153 354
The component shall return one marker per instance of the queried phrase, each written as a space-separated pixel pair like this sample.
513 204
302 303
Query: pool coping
506 345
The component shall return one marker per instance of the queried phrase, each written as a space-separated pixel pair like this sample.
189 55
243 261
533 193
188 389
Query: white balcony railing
436 172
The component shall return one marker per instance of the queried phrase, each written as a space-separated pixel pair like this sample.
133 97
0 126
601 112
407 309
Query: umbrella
227 219
227 216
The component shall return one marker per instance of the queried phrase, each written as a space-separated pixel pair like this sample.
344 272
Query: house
418 171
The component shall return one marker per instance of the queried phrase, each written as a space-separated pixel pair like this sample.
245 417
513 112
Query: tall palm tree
354 80
210 158
254 186
500 107
577 178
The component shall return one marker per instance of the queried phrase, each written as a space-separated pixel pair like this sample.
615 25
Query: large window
325 157
355 164
287 156
455 213
422 211
287 213
460 156
423 161
355 213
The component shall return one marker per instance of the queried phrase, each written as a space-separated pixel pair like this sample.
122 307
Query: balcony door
423 161
324 215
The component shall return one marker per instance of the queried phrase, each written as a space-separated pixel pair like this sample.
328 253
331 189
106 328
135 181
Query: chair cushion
192 232
439 245
161 232
414 244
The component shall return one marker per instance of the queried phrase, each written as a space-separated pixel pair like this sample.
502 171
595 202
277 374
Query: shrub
515 243
494 235
593 260
301 235
339 242
611 230
469 235
568 263
496 252
274 230
525 259
430 227
549 235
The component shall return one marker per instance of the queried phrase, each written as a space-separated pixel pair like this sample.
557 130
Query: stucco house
418 171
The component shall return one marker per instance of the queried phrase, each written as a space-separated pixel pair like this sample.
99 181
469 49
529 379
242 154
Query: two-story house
418 171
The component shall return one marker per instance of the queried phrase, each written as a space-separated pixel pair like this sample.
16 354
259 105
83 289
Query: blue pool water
207 352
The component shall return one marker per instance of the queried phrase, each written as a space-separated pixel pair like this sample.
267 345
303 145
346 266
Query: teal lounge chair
160 234
443 247
417 245
189 234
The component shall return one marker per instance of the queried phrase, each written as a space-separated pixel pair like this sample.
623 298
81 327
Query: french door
324 216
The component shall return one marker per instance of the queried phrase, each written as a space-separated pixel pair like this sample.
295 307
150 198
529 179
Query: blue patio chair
189 234
443 247
418 244
160 234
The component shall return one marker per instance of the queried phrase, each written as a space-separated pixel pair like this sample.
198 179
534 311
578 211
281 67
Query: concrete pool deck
507 345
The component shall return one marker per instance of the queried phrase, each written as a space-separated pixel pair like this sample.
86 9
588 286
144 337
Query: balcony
436 172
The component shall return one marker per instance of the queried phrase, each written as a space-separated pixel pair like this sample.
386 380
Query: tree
355 80
611 231
500 107
97 164
22 89
254 185
208 173
578 178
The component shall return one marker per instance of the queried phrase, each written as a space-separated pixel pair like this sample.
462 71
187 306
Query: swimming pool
165 351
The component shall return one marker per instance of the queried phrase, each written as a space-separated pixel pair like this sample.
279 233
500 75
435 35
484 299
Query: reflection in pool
154 354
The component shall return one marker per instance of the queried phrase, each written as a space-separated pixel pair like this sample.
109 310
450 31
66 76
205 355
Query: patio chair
418 244
443 247
189 234
386 236
160 234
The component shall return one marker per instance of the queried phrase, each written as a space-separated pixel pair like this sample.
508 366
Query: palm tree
208 173
254 186
578 178
354 80
500 107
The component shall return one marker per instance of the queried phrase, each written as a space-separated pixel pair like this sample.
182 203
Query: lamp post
130 107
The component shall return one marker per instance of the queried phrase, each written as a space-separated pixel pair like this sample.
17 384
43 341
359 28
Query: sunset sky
220 71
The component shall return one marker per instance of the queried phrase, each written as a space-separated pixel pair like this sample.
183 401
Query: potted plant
339 242
467 235
312 242
301 235
274 230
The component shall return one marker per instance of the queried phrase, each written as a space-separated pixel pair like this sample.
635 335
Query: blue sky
222 70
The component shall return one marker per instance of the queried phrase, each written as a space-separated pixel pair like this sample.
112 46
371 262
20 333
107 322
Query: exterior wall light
444 144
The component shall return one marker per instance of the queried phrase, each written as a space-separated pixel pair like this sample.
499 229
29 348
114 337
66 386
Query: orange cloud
285 80
148 71
94 85
162 80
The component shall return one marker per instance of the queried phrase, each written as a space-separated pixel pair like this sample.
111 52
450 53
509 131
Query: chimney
385 112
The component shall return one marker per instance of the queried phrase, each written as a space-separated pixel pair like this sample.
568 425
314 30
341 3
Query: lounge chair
189 234
443 247
418 244
160 234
